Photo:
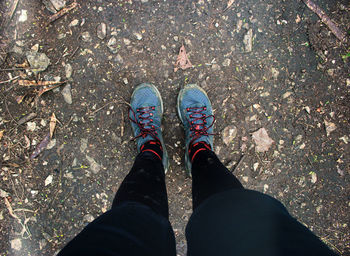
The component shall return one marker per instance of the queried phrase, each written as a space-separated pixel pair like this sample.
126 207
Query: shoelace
144 122
198 123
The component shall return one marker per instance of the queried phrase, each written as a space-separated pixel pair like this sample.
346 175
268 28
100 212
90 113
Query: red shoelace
144 122
198 123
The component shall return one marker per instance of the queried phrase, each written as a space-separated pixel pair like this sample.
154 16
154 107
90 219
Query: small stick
7 81
122 125
75 51
326 20
13 69
26 118
239 163
62 12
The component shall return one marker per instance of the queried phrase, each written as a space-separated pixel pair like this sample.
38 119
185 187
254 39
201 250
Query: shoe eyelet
187 109
151 114
205 108
153 108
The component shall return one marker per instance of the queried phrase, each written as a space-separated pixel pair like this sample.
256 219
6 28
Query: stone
138 36
88 218
51 144
85 36
119 59
48 180
69 70
74 23
37 61
126 41
215 67
16 244
58 4
83 144
31 126
49 6
67 94
102 31
113 45
226 62
248 41
23 16
94 166
229 134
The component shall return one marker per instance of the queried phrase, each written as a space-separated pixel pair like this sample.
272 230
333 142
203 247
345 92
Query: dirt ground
265 64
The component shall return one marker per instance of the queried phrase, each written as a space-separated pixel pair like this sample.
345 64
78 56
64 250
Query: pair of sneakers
194 109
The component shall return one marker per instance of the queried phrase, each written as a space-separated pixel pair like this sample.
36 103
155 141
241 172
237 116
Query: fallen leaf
38 83
42 91
330 127
182 60
52 124
27 142
262 140
1 134
298 19
41 147
20 98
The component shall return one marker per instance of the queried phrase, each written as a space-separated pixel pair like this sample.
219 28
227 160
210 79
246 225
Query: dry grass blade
53 122
26 118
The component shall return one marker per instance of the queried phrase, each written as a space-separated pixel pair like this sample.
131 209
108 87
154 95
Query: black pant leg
138 222
209 177
145 184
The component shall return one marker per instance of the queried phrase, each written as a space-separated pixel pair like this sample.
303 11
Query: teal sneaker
196 113
145 114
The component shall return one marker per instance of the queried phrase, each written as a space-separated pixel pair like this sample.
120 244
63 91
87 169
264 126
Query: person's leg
145 184
210 176
138 222
228 219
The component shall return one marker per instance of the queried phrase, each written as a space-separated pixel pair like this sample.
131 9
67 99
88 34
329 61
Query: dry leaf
27 142
38 83
1 134
52 124
41 147
182 60
46 89
330 127
262 140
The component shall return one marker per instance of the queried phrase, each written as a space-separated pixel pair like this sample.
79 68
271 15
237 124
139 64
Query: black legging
146 181
227 219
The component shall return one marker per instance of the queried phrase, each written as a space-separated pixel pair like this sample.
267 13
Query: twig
326 20
122 124
239 163
12 69
7 81
74 52
62 12
26 118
